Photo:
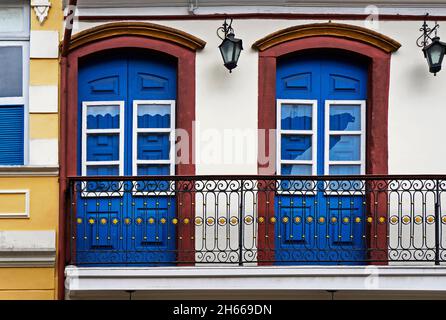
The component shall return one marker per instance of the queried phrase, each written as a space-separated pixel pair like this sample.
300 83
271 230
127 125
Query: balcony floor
228 282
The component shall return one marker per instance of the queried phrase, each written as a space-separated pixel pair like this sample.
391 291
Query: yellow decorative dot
115 221
127 221
248 220
418 219
163 220
273 220
394 220
346 220
310 219
321 220
430 219
234 221
285 219
79 220
210 221
297 219
91 221
382 219
103 221
174 220
222 221
198 221
138 220
262 219
444 219
334 219
369 219
186 221
406 219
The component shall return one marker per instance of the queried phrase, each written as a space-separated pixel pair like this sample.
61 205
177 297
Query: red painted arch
68 129
377 119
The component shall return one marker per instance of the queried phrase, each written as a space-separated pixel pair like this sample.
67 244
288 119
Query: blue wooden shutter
11 135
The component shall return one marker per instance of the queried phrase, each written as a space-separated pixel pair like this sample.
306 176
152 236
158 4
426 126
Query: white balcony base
296 282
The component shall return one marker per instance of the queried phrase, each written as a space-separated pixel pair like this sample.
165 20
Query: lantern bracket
225 29
426 38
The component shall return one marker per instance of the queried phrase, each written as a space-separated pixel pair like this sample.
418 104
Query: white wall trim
44 45
43 99
27 248
23 215
295 278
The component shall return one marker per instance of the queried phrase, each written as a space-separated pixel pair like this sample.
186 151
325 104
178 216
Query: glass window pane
345 148
102 170
103 117
11 72
297 170
296 147
344 170
103 147
11 20
153 146
296 117
153 116
345 118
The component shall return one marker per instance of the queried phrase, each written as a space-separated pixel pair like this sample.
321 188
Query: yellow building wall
36 282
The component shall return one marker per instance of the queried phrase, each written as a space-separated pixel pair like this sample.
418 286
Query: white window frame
312 132
85 132
172 137
24 5
361 133
24 99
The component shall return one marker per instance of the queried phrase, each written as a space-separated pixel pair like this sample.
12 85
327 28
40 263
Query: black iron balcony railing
263 220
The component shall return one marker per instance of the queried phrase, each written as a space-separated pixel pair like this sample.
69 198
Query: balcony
179 221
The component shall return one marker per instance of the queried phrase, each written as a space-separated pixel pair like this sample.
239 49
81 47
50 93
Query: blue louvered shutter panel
11 135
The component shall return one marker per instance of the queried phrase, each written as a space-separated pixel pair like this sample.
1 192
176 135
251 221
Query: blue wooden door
126 128
321 114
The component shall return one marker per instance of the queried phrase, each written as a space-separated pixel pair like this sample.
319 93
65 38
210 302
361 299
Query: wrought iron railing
263 220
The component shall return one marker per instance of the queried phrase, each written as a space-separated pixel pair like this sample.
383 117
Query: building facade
171 174
29 197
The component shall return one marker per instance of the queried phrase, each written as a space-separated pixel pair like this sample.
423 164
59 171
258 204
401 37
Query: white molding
44 152
43 99
27 248
23 215
366 279
41 8
44 44
32 171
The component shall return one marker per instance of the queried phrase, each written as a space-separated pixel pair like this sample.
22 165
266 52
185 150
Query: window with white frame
14 66
345 137
153 141
103 138
296 139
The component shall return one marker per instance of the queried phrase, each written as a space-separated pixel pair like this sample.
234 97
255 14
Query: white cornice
27 248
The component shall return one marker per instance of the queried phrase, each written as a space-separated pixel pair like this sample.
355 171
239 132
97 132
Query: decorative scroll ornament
41 7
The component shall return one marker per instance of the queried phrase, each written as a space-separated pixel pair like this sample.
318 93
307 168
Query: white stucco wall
228 102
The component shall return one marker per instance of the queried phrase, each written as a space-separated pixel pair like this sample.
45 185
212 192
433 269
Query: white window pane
11 75
11 20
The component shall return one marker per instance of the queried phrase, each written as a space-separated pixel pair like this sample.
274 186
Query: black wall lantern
231 47
433 49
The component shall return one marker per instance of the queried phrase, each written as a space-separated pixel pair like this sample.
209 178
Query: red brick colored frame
377 118
69 126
